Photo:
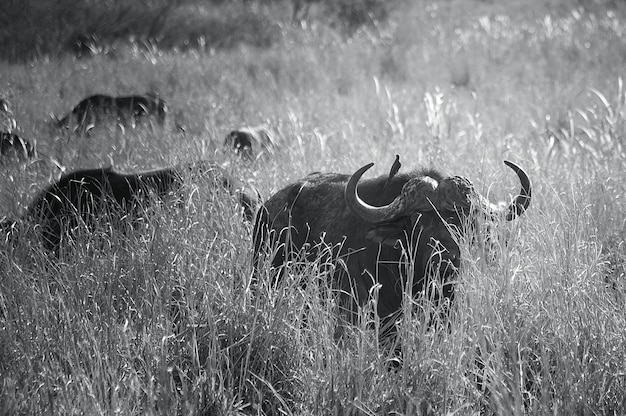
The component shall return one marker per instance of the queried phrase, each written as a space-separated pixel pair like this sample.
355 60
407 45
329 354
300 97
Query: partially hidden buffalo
251 142
423 212
84 195
126 109
14 146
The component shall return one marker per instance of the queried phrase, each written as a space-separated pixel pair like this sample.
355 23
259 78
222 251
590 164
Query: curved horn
362 209
519 204
522 201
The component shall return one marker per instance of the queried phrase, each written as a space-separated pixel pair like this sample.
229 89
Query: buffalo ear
387 234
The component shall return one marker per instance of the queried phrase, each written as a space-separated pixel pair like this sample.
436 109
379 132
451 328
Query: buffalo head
433 211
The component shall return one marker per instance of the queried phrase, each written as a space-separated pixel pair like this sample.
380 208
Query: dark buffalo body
12 145
86 195
421 211
97 108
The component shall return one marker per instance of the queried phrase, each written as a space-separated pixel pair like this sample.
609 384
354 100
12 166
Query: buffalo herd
97 109
397 233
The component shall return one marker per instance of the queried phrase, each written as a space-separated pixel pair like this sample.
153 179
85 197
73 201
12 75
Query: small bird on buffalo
395 167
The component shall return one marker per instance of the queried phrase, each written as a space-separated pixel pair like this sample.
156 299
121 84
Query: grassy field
459 85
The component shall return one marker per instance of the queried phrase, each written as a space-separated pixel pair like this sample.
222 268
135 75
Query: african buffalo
84 195
422 212
251 142
98 108
13 145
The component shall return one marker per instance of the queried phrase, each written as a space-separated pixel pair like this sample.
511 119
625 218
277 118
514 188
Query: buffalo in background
423 212
85 195
251 142
99 108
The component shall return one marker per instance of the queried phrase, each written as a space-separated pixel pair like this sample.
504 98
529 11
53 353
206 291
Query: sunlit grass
163 317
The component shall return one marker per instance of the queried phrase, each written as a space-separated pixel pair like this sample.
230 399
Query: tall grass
163 318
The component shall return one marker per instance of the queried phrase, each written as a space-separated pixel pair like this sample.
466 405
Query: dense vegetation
459 85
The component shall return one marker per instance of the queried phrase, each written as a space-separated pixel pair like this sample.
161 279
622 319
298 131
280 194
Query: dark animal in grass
13 146
251 142
100 108
423 212
86 195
